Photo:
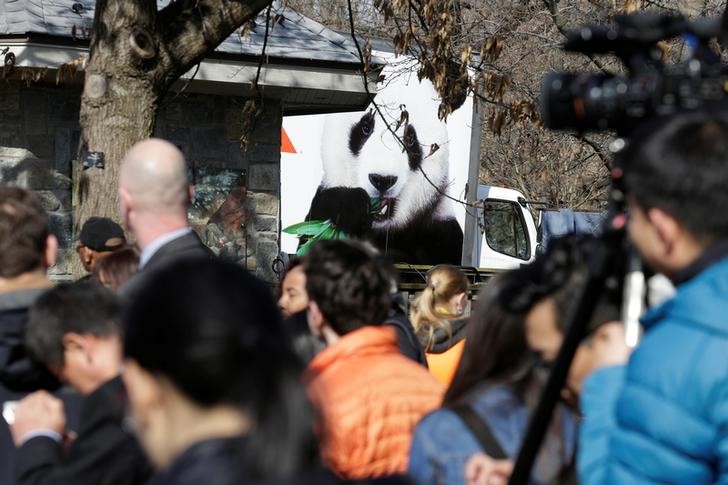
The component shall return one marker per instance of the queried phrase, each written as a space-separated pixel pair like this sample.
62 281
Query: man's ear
51 251
86 255
125 205
316 320
76 342
667 227
462 300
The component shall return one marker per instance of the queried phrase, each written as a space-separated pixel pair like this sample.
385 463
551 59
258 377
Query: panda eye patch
360 133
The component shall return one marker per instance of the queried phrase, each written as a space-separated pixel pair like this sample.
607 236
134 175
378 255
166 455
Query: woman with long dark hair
498 382
213 382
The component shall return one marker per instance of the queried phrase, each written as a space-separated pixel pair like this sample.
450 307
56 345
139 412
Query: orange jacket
444 365
371 398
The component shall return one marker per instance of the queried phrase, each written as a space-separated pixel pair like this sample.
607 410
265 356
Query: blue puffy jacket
663 418
442 443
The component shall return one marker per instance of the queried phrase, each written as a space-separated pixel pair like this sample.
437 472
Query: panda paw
347 207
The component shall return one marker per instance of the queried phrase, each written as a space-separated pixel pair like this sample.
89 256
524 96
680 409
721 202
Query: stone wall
38 139
236 205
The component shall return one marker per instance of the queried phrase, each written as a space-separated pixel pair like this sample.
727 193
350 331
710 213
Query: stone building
309 69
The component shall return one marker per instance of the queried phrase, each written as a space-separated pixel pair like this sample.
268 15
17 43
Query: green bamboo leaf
307 228
328 233
304 249
326 228
375 204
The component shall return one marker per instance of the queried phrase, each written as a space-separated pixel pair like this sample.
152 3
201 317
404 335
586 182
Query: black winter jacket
104 453
17 372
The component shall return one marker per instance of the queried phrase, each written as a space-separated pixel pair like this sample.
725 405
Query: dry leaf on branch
68 70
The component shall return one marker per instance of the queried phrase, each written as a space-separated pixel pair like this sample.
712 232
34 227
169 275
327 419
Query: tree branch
561 27
188 30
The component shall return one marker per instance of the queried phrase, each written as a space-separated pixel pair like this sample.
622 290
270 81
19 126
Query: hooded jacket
444 349
371 398
663 418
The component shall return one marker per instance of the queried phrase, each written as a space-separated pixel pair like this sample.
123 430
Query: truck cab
506 230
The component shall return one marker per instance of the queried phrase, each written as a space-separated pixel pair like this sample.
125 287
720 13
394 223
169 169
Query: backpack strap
480 429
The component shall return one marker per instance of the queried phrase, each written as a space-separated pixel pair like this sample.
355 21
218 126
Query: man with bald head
154 196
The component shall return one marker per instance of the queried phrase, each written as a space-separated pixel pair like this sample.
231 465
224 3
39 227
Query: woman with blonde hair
437 316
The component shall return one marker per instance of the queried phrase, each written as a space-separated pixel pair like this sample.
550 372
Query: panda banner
347 175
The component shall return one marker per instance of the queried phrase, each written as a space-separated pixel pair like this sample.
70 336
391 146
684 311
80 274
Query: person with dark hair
370 395
498 383
293 303
293 297
74 330
662 418
542 295
27 250
100 236
546 292
213 382
116 268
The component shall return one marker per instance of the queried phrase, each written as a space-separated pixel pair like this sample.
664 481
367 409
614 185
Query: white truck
506 235
356 152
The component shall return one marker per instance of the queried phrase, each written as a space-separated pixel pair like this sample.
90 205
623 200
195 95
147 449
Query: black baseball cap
102 234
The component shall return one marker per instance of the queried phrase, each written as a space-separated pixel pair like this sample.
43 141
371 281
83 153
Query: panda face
360 150
385 179
363 129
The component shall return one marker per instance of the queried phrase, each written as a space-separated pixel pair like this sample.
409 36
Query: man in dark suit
154 196
74 330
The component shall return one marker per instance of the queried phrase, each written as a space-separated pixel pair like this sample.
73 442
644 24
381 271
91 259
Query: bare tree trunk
136 54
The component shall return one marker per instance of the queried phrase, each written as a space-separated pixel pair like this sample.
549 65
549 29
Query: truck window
505 229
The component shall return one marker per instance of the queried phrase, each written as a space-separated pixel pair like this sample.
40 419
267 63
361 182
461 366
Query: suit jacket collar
154 246
106 403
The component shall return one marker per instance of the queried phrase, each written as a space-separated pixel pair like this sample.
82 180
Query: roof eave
304 86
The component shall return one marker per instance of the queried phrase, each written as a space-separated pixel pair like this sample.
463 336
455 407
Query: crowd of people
169 366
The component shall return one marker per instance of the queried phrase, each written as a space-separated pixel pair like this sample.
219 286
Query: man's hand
38 411
484 470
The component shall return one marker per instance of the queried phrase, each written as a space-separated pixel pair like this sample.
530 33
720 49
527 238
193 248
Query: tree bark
136 53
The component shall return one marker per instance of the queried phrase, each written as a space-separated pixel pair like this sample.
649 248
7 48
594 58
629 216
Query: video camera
598 101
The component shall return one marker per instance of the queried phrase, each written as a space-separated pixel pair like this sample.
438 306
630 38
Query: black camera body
597 102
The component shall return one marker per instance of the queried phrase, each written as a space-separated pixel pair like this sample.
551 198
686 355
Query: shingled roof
293 37
311 68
